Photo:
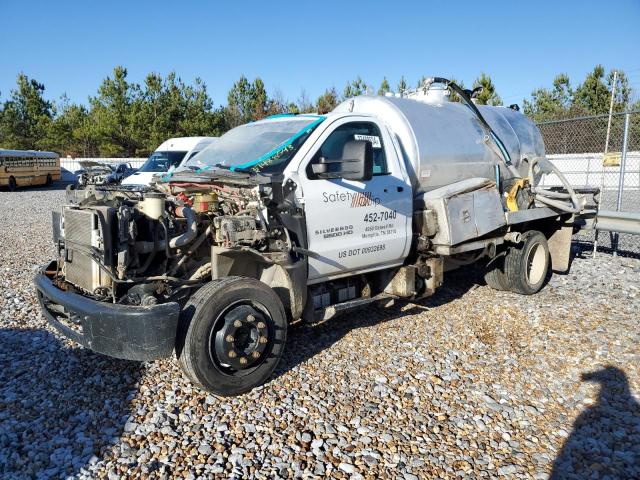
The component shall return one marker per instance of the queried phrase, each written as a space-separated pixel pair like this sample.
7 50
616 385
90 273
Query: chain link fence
577 147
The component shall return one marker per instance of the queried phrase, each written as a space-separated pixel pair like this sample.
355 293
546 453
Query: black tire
49 179
495 276
210 319
526 265
12 184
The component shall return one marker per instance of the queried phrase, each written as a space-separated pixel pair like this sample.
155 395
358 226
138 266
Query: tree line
127 119
591 97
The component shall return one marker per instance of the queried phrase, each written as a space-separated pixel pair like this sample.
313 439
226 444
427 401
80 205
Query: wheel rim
536 264
241 337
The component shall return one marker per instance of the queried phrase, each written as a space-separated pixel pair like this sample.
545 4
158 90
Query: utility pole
606 150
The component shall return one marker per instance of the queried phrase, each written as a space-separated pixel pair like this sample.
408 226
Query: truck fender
290 283
288 280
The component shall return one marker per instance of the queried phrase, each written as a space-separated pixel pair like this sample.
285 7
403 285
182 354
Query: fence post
606 149
623 164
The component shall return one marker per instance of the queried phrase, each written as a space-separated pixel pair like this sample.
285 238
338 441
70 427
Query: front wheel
232 335
12 184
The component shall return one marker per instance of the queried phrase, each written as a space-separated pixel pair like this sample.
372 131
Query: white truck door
354 226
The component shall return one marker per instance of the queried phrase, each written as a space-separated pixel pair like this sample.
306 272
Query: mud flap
560 247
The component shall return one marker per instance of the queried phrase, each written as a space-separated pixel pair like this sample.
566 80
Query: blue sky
70 46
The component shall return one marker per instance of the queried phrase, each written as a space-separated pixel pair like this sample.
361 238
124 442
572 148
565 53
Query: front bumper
120 331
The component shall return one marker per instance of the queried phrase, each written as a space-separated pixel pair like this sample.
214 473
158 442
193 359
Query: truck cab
353 225
300 218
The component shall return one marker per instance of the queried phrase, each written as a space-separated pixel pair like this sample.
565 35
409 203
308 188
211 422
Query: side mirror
356 163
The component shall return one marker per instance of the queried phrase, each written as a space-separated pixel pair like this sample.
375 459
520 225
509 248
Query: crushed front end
129 258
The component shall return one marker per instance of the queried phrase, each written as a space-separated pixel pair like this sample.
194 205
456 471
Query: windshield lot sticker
374 139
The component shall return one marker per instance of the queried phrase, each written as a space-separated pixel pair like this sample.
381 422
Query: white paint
354 226
586 170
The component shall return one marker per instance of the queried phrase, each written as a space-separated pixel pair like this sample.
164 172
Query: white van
171 153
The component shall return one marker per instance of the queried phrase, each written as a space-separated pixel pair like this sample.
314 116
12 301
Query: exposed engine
141 247
97 173
94 175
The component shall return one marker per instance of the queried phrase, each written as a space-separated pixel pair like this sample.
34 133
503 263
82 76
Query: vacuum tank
444 142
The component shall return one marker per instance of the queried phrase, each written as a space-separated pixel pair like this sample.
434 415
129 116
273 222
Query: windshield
266 146
162 161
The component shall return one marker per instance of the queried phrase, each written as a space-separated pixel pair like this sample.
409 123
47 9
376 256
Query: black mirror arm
326 161
319 168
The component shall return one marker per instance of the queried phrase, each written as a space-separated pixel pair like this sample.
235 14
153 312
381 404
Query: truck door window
333 146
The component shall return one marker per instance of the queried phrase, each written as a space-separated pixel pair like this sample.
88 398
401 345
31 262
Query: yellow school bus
20 168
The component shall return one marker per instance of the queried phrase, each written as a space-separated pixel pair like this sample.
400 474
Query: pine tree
402 86
259 100
488 95
549 104
355 88
327 101
594 94
26 116
384 87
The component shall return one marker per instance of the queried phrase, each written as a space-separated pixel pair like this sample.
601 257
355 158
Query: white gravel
470 383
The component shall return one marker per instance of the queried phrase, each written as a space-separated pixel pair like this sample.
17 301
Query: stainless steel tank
445 143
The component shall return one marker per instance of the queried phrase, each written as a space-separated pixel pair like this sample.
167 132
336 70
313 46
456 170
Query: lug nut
250 318
237 324
229 338
243 361
232 354
255 354
261 325
263 339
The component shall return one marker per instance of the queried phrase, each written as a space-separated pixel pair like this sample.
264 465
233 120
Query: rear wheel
12 184
527 264
495 276
49 179
232 335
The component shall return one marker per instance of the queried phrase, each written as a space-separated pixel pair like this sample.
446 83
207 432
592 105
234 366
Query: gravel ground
471 383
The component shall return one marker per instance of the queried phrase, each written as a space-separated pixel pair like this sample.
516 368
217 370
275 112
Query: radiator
82 233
79 225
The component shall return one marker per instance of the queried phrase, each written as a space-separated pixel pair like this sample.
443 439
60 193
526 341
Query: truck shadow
305 341
60 407
605 441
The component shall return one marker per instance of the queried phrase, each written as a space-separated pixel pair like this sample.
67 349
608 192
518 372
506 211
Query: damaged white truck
301 217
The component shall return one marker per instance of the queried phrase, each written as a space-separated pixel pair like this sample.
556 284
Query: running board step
332 310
